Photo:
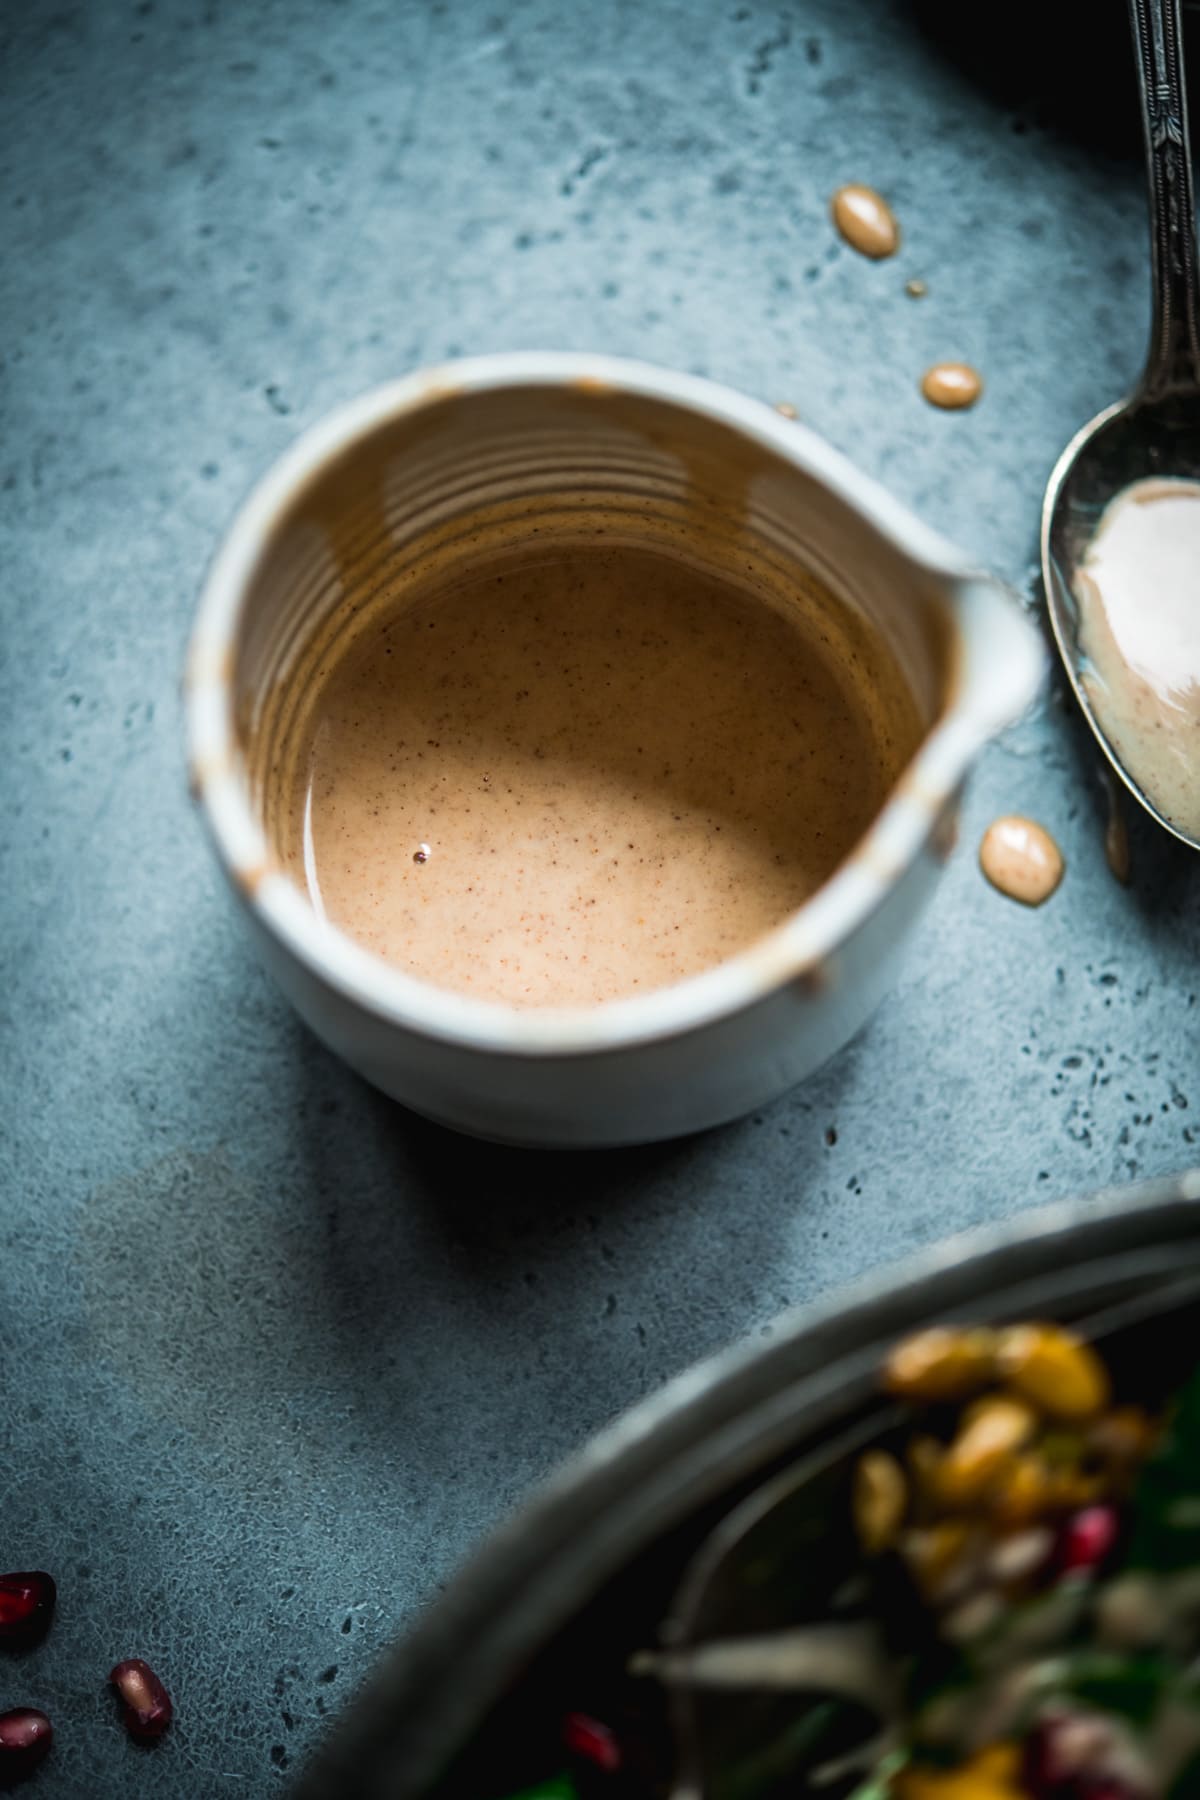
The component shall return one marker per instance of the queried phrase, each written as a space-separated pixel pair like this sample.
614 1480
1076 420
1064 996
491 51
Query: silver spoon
1156 431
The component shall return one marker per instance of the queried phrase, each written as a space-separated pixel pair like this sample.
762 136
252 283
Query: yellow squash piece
944 1363
1054 1370
991 1774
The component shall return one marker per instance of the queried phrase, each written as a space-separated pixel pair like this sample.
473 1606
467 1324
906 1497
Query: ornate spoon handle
1174 359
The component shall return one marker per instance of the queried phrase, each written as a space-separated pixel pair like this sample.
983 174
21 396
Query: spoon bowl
1129 441
1156 431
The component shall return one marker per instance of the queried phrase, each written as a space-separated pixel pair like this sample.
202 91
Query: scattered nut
937 1556
1054 1370
943 1363
880 1500
993 1430
1025 1491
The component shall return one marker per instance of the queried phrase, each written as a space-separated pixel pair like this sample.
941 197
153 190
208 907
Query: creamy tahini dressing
1021 859
952 385
582 778
865 221
1139 627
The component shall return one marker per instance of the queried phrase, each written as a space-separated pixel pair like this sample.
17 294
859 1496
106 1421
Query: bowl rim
800 950
750 1399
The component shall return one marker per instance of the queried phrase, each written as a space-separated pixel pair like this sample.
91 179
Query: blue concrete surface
274 1354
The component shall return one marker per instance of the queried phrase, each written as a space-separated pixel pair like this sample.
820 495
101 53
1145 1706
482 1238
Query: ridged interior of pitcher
468 481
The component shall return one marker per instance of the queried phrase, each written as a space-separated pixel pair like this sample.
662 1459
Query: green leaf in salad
1186 1785
1166 1500
800 1745
878 1785
826 1734
1131 1686
558 1787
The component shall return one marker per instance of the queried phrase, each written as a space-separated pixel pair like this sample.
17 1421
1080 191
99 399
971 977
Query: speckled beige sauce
1139 627
579 779
1021 859
1117 852
865 221
952 385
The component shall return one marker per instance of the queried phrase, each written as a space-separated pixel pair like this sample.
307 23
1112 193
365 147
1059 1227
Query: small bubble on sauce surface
865 220
1021 860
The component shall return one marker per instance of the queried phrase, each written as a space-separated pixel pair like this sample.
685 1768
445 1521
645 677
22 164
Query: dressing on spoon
1138 589
1122 595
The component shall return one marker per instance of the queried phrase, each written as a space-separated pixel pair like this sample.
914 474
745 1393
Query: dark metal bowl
592 1560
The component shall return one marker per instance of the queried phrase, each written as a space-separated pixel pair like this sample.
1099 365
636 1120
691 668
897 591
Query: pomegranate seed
26 1603
1087 1539
145 1701
1056 1751
25 1737
594 1742
1068 1757
1043 1768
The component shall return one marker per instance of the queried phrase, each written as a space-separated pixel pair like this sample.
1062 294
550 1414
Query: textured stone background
274 1353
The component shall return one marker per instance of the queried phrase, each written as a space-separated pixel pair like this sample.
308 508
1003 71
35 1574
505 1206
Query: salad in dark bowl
938 1539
